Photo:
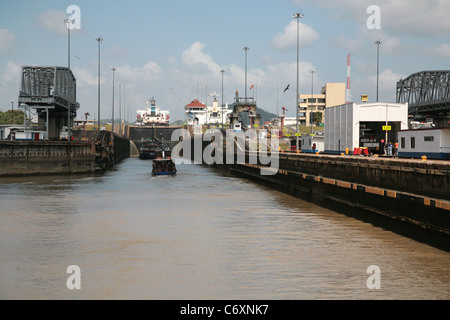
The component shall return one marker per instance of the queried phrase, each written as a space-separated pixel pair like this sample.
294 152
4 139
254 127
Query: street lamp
246 50
120 107
378 42
113 70
311 115
99 40
68 22
297 16
222 72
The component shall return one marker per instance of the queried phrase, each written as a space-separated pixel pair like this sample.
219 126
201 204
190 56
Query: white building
312 143
198 113
432 143
365 125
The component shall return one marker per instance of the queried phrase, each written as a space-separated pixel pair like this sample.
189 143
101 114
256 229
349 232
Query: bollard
346 150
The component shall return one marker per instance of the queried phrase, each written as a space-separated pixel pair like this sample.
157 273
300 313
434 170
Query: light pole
68 22
378 42
222 72
120 107
311 115
12 112
124 105
99 40
297 16
246 50
113 70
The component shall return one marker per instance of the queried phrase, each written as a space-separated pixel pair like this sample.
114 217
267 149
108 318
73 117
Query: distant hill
265 116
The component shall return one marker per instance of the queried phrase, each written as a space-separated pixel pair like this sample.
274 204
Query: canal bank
411 193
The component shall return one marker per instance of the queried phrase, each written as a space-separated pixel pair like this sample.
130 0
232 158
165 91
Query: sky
174 50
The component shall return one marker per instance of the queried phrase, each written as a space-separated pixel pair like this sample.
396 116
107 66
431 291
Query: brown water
199 235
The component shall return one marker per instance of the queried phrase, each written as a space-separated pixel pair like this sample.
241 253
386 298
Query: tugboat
149 149
163 167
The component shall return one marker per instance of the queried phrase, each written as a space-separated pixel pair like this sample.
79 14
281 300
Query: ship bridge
241 108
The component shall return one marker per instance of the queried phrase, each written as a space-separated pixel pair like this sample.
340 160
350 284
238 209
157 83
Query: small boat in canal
163 167
153 148
148 149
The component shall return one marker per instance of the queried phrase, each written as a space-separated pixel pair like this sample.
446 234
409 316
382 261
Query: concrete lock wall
430 178
44 157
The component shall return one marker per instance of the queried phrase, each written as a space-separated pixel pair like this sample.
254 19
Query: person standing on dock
389 149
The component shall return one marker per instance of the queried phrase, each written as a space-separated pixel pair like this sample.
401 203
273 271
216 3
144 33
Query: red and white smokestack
348 93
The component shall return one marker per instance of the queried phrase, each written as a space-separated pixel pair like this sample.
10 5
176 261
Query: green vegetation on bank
10 117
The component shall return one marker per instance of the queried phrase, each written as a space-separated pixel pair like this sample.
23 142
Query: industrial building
332 94
313 142
431 143
367 125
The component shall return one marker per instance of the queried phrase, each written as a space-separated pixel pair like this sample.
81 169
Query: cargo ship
152 115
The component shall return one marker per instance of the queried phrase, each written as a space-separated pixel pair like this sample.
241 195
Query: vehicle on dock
163 167
64 134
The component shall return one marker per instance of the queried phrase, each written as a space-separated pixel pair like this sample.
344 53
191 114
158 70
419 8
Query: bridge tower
51 91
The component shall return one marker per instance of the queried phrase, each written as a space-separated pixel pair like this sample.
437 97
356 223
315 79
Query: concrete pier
46 157
20 158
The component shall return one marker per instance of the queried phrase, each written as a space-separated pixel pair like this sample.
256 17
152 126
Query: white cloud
353 45
441 50
9 84
7 38
53 21
416 17
387 80
11 73
195 55
364 43
288 38
411 17
126 74
84 77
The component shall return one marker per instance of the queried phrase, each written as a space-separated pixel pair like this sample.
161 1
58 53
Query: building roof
196 103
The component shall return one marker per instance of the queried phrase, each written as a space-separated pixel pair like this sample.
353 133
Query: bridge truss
426 92
51 91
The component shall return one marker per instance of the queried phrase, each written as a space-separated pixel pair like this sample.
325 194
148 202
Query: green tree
317 117
10 117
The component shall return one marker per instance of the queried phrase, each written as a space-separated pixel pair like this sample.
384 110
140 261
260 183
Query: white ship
152 115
